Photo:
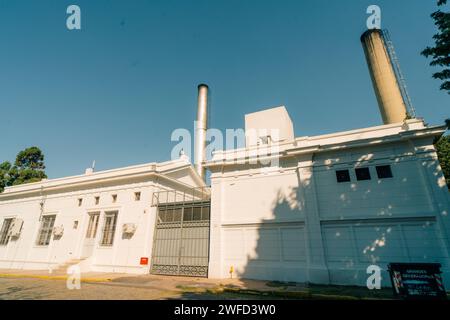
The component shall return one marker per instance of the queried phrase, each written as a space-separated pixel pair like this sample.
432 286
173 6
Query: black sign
417 280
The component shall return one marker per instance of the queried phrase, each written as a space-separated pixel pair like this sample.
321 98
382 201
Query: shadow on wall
360 224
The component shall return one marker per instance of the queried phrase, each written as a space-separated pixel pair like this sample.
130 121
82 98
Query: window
205 213
362 174
342 176
45 231
114 198
80 202
177 215
384 172
4 238
109 228
197 213
137 196
188 214
92 225
97 200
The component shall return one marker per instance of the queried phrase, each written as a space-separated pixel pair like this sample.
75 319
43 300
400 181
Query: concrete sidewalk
44 274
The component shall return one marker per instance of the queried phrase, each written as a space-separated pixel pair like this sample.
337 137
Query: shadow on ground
281 290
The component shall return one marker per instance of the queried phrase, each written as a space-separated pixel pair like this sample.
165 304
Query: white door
91 233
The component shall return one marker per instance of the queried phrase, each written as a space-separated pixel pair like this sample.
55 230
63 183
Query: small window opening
342 176
362 174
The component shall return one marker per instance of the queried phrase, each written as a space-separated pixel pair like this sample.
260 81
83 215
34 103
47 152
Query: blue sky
116 89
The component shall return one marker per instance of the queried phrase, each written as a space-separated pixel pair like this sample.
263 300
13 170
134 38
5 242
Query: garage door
364 243
269 252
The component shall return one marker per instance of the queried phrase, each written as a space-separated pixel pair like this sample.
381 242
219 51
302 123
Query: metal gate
181 240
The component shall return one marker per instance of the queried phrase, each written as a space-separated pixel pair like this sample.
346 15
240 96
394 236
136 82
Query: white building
334 204
326 209
91 210
318 209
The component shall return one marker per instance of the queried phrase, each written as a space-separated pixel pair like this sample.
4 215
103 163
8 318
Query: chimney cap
368 32
202 85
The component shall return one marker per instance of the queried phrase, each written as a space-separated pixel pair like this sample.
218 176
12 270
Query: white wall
122 256
125 253
334 227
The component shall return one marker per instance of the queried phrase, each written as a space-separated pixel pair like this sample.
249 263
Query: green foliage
28 167
440 53
30 158
443 151
5 168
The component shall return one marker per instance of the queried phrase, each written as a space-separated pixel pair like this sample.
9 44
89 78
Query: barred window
46 229
109 228
4 238
92 226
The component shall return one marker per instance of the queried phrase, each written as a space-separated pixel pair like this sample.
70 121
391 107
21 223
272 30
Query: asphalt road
43 289
24 288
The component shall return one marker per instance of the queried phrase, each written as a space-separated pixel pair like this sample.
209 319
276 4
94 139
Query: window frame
109 229
46 231
4 230
92 226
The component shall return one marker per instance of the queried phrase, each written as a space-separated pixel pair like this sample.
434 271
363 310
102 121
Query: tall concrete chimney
385 83
200 130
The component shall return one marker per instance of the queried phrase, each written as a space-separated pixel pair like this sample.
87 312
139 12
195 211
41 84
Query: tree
30 158
440 53
5 168
28 167
443 152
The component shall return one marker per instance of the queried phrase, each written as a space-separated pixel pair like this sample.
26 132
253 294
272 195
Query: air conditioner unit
16 228
129 228
58 231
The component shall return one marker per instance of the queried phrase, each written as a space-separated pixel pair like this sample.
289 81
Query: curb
34 276
290 294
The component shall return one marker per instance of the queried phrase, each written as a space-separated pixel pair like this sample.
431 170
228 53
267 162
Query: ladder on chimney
398 73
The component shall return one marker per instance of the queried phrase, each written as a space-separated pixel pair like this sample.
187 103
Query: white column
215 237
316 264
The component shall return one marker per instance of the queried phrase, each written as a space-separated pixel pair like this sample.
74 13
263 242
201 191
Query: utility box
129 228
268 126
58 231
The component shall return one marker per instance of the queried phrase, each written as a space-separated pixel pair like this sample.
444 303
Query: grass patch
191 289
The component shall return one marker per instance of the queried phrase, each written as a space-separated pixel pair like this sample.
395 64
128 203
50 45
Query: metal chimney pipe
385 83
200 130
